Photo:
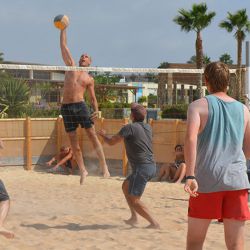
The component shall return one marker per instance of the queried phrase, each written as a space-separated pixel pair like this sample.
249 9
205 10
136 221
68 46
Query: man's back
219 147
201 105
138 142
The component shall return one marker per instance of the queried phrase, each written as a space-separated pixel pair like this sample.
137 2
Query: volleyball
61 22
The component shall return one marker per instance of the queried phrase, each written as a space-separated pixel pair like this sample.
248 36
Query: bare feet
132 222
6 233
178 182
154 226
106 174
105 171
83 175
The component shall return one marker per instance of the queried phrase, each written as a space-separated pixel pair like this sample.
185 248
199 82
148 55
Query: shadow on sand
70 226
175 199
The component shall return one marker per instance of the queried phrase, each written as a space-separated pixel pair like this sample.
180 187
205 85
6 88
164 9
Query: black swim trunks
68 164
3 193
74 114
178 163
139 178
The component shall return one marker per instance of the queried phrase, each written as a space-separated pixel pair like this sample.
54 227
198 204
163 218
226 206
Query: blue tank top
220 162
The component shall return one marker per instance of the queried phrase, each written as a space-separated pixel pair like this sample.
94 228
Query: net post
176 131
58 134
101 127
150 122
124 154
28 144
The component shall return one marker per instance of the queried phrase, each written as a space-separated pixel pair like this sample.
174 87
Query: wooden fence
32 140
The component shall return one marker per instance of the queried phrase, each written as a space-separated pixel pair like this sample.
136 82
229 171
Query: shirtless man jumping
74 109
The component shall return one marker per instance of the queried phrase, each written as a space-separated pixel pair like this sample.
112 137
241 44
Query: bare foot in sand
83 176
178 182
106 174
154 226
131 221
104 171
6 233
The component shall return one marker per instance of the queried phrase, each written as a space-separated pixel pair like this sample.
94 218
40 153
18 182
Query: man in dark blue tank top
137 137
216 147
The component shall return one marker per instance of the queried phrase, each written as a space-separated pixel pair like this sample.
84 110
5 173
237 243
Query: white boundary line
102 69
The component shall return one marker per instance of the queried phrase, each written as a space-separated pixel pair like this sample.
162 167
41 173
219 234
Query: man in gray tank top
137 137
216 147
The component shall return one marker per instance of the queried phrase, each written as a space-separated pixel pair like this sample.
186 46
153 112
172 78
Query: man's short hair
87 55
138 111
217 75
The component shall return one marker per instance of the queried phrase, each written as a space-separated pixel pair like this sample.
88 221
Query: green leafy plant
196 19
14 94
142 99
240 25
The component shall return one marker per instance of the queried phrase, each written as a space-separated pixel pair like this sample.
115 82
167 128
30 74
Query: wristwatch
190 177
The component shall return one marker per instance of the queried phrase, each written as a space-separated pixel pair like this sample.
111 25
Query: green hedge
113 105
178 111
32 111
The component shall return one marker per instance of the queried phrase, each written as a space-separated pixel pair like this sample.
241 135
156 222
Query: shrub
14 94
178 111
113 105
32 111
142 99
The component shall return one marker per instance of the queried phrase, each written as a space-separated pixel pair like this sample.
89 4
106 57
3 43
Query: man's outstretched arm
66 55
111 140
63 160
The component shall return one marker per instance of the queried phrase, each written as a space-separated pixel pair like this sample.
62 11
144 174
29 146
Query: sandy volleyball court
51 211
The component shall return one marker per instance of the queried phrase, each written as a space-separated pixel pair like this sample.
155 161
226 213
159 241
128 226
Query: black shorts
68 164
178 163
141 174
3 193
74 114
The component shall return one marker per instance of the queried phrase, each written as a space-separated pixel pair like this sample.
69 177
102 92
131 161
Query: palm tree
206 59
15 95
3 74
239 23
196 20
1 57
226 58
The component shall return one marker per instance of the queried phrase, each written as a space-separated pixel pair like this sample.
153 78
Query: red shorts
220 205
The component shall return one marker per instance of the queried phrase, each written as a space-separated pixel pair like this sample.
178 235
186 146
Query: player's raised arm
66 55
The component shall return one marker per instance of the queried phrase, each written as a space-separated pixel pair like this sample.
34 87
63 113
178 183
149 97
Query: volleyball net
31 95
115 87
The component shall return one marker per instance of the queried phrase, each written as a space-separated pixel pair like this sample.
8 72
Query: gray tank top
220 162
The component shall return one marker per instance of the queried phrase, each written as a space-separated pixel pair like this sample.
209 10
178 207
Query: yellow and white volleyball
61 22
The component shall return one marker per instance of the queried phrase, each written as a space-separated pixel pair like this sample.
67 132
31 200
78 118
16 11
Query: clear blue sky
118 33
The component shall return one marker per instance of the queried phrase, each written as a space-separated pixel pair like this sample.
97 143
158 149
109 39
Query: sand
52 211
